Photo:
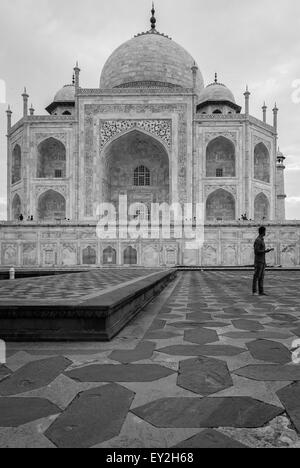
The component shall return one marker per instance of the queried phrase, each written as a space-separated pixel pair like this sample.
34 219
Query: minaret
264 109
248 162
31 110
77 75
280 187
25 103
275 118
9 114
194 71
247 95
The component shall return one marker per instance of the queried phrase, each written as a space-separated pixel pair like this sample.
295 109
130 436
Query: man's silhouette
260 262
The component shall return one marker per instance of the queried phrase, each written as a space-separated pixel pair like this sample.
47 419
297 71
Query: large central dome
150 60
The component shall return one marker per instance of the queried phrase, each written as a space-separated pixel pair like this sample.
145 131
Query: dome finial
153 19
216 78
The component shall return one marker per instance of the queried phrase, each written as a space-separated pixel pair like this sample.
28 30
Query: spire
153 19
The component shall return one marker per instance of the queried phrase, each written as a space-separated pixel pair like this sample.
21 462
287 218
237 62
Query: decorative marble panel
162 129
9 254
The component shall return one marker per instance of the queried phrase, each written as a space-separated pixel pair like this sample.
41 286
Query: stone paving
73 287
204 365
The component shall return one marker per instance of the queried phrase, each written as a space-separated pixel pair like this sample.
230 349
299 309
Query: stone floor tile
270 351
15 412
34 375
201 336
290 398
93 417
204 376
270 372
210 438
137 433
119 373
143 351
207 412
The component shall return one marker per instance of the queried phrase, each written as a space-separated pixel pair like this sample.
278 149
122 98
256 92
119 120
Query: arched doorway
109 256
51 161
16 165
130 256
262 163
261 208
220 206
16 207
51 206
89 256
136 165
220 158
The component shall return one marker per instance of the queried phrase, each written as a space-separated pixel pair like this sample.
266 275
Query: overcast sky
253 42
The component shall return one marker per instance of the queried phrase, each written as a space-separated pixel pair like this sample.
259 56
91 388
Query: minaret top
153 19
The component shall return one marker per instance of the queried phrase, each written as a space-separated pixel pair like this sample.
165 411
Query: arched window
16 165
67 113
16 207
220 206
217 111
261 163
261 208
51 206
220 158
51 159
109 256
141 177
130 256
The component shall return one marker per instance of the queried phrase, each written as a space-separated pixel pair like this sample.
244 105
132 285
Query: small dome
65 94
216 92
150 60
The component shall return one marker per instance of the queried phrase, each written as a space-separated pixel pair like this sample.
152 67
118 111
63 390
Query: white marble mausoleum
155 132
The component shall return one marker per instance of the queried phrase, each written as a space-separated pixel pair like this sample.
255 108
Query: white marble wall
29 245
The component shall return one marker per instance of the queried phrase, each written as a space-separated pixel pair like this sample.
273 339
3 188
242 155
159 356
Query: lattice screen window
142 177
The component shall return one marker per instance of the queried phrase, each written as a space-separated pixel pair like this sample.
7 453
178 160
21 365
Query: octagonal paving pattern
204 365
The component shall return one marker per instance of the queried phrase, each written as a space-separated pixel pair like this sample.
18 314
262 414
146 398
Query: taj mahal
155 132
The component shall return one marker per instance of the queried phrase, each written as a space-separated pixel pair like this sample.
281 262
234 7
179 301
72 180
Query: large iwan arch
261 208
51 162
220 206
220 158
51 206
262 163
136 164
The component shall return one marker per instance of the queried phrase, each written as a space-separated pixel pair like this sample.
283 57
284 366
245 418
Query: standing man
260 262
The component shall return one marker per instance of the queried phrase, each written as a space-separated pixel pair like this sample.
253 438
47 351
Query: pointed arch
136 164
262 170
220 158
16 207
51 161
130 256
261 207
51 206
16 171
109 256
220 206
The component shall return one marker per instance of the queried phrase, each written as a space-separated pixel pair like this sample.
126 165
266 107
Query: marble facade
151 114
68 244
